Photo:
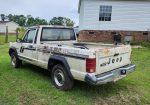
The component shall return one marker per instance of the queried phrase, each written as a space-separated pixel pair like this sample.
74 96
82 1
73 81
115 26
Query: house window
105 13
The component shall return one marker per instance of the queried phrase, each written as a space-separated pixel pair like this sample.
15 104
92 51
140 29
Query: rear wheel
15 62
60 78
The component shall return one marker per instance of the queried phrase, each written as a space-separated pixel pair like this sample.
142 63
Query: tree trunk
6 35
16 34
148 35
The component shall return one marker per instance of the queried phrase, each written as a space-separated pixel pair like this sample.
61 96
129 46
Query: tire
61 79
15 62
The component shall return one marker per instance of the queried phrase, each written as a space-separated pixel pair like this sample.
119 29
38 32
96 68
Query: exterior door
28 47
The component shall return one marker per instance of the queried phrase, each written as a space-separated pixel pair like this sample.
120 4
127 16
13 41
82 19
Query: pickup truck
56 49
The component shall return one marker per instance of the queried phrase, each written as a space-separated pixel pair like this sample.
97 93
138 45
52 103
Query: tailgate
112 58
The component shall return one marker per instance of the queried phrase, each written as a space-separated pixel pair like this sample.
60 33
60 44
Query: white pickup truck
56 49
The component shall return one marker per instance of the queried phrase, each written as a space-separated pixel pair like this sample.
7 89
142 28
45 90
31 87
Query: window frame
105 13
35 38
57 28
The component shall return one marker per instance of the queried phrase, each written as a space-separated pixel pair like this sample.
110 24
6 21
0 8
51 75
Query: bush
144 44
135 43
21 31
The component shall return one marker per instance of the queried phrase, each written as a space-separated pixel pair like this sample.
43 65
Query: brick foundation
108 36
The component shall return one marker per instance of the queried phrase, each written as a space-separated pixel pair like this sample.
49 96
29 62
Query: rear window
57 34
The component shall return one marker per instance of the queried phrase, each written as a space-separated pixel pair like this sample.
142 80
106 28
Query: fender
63 61
11 49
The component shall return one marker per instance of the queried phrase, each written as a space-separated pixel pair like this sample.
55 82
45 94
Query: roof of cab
51 26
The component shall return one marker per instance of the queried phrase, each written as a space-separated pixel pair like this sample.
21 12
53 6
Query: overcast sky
41 8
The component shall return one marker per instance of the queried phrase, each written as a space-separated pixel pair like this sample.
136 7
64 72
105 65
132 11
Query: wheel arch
11 50
57 59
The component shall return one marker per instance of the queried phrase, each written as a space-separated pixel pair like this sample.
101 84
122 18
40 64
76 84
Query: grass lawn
31 85
11 38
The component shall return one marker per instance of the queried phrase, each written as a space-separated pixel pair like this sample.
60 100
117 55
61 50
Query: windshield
57 34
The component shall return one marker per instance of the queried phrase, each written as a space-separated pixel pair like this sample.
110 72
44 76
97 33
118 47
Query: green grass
11 38
31 85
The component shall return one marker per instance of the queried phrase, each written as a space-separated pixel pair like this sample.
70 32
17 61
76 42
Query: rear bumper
110 76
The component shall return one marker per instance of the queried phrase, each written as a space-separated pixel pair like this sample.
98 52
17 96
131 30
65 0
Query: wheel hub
59 77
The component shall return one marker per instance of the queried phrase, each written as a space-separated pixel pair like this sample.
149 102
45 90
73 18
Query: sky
41 8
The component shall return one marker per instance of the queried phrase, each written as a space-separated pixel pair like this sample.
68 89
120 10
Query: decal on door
21 49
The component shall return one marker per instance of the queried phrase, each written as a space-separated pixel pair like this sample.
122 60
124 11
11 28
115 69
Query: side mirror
19 40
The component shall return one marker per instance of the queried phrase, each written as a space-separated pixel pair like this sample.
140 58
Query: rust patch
106 51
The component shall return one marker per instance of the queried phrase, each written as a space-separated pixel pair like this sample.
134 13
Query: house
12 26
100 20
76 29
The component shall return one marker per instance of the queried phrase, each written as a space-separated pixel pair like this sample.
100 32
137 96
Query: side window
30 36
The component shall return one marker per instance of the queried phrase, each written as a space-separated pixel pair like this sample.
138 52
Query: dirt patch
119 99
29 98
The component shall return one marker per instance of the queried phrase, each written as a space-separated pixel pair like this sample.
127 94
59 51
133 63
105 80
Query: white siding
2 28
11 27
81 15
126 15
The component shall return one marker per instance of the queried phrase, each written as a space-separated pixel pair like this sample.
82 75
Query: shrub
21 31
135 43
144 44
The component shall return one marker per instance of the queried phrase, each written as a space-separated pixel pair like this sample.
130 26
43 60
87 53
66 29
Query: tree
69 22
20 19
61 21
3 17
27 20
10 17
30 21
38 21
35 21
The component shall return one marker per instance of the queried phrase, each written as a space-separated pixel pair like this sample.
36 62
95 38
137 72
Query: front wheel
60 78
15 62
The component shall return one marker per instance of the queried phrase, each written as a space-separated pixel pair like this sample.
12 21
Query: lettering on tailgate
111 60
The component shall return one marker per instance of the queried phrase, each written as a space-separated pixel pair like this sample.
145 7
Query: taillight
91 65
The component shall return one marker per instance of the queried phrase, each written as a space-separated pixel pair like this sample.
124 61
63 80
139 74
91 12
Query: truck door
28 46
